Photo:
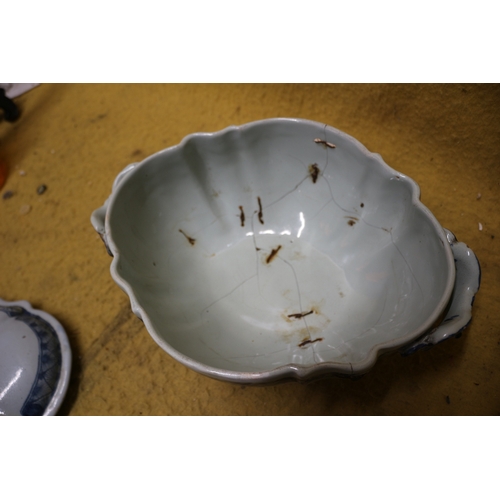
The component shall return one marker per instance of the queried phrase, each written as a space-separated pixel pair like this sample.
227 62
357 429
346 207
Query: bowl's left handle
459 313
98 217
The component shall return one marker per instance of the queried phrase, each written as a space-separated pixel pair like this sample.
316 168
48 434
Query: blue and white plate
35 361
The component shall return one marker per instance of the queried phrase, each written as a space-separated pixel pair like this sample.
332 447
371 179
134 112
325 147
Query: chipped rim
294 371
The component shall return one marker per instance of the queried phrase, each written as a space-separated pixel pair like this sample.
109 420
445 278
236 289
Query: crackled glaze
281 248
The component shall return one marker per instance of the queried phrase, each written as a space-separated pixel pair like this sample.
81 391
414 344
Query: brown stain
314 171
341 294
318 309
300 315
242 216
192 241
297 255
273 254
294 334
137 152
260 215
352 220
325 143
294 331
309 341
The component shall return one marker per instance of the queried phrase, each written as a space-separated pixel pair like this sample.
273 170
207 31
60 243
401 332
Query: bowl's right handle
98 217
459 314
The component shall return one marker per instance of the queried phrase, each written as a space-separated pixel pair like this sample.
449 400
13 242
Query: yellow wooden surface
76 138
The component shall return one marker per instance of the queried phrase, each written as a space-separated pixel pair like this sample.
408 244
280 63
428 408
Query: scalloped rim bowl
276 249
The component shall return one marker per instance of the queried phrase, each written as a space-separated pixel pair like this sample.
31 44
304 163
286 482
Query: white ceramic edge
98 217
302 373
66 355
459 313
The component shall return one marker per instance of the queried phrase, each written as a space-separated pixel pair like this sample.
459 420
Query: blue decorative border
49 360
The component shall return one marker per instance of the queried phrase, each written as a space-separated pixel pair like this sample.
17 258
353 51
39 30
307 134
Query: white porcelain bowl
280 248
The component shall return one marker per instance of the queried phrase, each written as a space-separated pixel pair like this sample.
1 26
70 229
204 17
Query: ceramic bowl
35 361
280 248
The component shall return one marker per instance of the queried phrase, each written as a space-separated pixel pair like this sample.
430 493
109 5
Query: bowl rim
290 370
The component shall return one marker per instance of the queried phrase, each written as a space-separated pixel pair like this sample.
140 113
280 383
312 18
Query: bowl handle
459 312
98 217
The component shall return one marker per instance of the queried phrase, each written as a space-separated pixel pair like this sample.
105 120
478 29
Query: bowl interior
262 246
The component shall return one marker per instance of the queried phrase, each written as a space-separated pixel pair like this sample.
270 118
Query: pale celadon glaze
281 248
